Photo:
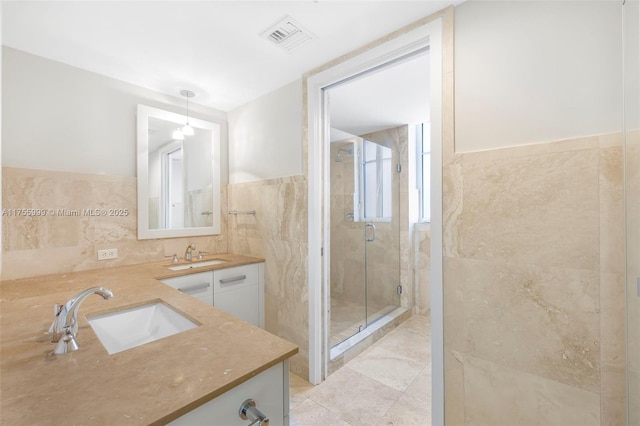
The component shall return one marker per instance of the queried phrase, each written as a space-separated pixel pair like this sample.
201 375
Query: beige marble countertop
150 384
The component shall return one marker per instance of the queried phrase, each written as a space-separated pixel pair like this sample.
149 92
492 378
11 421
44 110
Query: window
423 144
376 173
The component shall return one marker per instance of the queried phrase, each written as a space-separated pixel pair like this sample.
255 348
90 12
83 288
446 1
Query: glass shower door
380 210
347 275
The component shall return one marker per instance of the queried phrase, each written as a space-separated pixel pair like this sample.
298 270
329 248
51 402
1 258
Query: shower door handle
370 237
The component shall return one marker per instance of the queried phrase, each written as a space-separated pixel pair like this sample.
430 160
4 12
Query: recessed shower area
373 118
365 225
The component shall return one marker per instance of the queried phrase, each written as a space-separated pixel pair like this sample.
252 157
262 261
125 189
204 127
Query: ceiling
388 97
211 47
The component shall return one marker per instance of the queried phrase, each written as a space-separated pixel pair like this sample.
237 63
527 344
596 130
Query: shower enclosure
365 237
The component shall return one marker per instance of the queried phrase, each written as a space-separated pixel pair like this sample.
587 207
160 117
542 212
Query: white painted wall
536 71
265 136
58 117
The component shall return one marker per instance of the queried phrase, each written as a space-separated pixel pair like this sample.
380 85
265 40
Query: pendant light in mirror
177 135
187 130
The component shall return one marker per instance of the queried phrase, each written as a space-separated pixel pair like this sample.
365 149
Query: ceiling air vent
288 34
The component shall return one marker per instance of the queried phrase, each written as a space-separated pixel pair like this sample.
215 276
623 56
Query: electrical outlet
107 254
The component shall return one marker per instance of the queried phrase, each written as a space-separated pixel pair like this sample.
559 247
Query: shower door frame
427 35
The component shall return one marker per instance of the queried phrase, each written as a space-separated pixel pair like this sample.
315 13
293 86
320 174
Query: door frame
427 35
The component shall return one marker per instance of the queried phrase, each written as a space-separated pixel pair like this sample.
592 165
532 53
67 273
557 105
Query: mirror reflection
178 176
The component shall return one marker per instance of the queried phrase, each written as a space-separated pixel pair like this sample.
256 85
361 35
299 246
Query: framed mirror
178 179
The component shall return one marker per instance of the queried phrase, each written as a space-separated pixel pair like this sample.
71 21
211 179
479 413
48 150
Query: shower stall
365 231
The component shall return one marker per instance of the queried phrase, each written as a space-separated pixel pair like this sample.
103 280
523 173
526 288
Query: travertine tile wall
534 289
54 243
277 233
422 268
347 236
632 188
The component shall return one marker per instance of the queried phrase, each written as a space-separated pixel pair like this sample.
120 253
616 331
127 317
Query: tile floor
387 384
347 317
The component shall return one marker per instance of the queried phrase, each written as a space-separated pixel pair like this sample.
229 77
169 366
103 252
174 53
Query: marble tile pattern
277 233
55 243
533 284
632 188
387 384
422 265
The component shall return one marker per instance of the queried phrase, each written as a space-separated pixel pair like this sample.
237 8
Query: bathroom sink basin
128 328
197 264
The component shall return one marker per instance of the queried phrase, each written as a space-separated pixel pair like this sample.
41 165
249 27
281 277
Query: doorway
426 36
372 117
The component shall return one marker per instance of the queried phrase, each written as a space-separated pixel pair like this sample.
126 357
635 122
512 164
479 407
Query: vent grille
288 34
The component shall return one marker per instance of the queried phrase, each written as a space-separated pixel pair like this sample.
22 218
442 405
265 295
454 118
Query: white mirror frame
144 113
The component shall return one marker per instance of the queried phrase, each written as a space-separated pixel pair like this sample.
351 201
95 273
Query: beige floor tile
299 389
310 413
420 388
354 397
407 411
410 341
387 367
388 383
420 323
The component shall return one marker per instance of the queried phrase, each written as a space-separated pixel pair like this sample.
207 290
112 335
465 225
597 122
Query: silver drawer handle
248 411
194 287
233 279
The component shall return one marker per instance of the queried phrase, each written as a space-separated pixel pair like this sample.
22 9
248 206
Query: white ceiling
388 97
211 47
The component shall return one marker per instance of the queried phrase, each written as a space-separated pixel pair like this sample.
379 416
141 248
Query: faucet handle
57 308
175 257
54 329
200 253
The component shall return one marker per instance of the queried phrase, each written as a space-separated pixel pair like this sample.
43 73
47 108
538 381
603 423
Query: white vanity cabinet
198 285
238 290
269 390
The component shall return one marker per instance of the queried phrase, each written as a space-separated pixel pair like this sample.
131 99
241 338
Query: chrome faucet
64 328
187 253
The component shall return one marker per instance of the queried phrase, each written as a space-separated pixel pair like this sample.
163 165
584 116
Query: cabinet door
269 389
198 285
238 291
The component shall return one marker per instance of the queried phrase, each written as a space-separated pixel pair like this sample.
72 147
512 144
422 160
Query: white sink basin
197 265
128 328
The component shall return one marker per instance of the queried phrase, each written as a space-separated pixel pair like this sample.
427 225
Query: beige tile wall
347 236
632 188
422 268
534 291
39 245
277 233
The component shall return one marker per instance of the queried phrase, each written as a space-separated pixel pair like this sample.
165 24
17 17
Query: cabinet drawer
243 302
197 285
231 278
269 389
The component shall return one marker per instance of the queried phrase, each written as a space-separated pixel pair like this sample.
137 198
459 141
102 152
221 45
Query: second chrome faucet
187 253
